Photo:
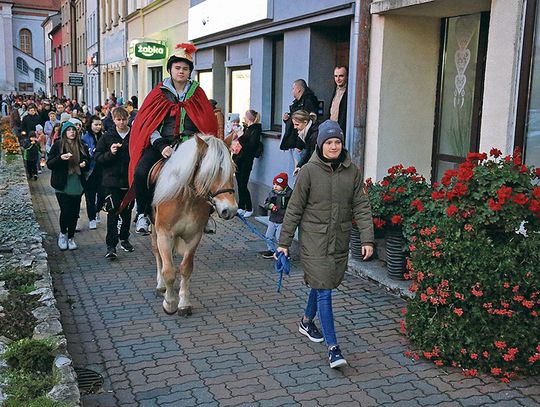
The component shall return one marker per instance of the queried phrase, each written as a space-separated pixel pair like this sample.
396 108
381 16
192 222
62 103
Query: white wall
502 75
401 94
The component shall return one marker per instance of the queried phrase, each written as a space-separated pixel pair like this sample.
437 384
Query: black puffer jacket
308 102
310 142
114 166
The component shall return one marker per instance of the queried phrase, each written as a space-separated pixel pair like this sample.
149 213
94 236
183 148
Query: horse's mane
186 173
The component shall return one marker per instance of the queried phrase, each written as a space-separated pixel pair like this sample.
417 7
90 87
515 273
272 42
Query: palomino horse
197 177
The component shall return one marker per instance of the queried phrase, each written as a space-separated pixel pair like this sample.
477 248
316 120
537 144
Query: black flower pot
396 254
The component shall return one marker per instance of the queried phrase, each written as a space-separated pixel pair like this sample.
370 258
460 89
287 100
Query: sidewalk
241 346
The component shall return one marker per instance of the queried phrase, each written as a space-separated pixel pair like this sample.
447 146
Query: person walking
112 154
276 202
328 193
92 190
244 158
68 160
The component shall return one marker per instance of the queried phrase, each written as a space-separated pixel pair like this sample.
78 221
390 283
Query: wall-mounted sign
210 16
76 79
150 50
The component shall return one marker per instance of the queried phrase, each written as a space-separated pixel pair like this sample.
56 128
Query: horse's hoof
185 311
165 306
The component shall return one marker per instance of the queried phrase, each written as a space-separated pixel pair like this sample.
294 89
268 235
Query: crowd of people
106 155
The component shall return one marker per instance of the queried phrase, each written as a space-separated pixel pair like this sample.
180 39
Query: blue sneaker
310 330
335 357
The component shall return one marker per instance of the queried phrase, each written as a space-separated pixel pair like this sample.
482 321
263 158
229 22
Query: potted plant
394 200
474 266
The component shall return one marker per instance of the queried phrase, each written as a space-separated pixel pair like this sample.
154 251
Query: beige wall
502 74
404 58
166 22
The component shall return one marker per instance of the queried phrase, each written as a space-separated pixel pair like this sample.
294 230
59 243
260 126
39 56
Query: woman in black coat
308 129
68 160
244 160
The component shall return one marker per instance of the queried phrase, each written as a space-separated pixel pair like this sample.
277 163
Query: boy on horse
172 112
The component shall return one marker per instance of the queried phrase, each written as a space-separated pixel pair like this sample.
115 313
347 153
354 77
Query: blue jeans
320 301
272 233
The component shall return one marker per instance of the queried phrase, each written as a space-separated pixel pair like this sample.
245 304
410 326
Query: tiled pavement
241 346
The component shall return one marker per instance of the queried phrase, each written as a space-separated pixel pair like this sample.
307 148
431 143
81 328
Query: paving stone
241 346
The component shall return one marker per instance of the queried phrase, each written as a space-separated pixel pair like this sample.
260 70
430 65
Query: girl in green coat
328 194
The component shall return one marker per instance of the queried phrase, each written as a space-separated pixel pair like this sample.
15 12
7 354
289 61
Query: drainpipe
362 27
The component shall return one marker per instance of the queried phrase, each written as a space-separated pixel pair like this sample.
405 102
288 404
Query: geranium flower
458 312
495 152
451 210
396 220
520 199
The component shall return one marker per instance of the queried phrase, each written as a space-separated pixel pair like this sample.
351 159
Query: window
528 111
22 66
240 90
277 84
156 76
40 75
462 65
26 87
25 41
205 79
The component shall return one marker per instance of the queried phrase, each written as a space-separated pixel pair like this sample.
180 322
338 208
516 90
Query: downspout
362 28
52 87
73 40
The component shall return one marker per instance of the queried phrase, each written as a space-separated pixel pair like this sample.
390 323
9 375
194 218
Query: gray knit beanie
327 130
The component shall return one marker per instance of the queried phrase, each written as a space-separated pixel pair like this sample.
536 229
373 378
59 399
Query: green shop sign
150 50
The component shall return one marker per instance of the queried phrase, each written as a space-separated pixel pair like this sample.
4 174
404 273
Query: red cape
154 109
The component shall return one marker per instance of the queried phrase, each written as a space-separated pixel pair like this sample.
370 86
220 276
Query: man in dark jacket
305 99
44 114
30 121
112 154
338 106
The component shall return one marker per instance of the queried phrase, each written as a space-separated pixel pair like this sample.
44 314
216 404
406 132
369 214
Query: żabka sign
150 50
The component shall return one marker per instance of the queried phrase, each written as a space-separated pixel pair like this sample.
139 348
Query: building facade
152 36
92 54
57 60
48 25
250 60
79 14
113 48
449 77
22 68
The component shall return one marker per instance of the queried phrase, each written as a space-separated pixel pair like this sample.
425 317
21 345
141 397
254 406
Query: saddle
153 174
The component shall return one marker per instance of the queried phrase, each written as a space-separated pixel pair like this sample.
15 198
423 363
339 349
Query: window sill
271 134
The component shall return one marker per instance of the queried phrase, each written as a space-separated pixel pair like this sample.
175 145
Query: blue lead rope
281 265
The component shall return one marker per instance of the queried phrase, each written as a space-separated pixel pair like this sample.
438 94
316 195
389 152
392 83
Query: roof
32 4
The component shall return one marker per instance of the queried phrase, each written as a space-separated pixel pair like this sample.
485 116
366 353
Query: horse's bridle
212 195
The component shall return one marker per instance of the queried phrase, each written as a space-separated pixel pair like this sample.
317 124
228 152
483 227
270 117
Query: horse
197 177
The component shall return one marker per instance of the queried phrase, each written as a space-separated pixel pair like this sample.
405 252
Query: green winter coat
323 203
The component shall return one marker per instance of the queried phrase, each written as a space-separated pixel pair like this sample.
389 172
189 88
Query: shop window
528 112
205 79
156 76
25 41
461 78
40 75
240 90
22 66
277 84
26 87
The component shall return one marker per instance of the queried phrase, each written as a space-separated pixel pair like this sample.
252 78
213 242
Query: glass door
459 98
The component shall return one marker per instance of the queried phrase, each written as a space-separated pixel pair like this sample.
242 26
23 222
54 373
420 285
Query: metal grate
89 382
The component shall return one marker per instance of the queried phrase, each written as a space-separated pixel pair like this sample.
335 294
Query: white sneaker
98 218
143 224
78 227
247 214
92 225
62 241
241 212
71 244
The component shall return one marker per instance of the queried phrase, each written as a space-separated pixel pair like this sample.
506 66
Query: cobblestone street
241 346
